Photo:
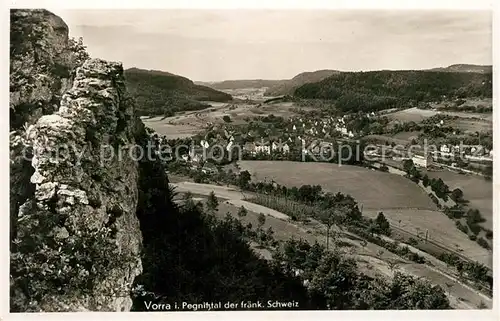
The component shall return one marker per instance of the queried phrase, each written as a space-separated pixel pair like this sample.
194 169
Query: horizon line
306 71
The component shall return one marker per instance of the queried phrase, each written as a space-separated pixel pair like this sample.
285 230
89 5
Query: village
323 138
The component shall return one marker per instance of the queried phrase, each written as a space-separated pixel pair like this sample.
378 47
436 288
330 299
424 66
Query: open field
467 121
476 189
469 102
480 116
372 189
258 209
190 123
407 136
255 94
205 189
371 259
440 228
403 202
172 131
412 114
471 124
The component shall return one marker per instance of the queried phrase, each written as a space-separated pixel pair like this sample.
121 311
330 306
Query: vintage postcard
171 160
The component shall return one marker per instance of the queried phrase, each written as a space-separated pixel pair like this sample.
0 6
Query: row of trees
437 185
224 268
469 269
441 190
333 279
310 201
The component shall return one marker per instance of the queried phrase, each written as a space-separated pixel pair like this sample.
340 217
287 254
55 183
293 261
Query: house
263 147
350 134
343 130
423 161
280 147
444 149
294 128
196 154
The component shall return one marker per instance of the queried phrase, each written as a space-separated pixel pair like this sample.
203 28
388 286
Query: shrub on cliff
50 258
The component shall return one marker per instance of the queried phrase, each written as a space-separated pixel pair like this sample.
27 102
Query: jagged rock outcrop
42 65
76 239
82 219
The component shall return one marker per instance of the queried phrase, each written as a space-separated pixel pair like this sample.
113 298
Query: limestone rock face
75 236
42 65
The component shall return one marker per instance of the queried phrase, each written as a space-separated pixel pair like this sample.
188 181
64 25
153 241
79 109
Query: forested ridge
163 93
377 90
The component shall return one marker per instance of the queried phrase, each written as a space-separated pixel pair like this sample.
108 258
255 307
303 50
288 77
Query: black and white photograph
250 159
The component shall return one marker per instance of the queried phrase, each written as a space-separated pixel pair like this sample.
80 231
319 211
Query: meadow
372 189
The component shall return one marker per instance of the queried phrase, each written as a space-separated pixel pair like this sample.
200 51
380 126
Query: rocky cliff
75 174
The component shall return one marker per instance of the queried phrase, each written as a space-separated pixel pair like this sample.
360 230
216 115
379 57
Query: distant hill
275 87
288 86
376 90
465 68
243 83
164 93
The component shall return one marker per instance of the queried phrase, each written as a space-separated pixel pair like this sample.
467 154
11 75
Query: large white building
422 161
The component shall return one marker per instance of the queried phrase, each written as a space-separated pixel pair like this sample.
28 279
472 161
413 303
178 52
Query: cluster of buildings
321 128
266 147
476 152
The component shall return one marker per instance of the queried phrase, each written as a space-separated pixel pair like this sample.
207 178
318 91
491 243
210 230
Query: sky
215 45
